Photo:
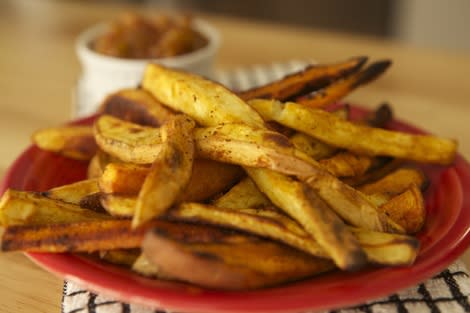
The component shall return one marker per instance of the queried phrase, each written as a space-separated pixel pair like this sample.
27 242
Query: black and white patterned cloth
447 292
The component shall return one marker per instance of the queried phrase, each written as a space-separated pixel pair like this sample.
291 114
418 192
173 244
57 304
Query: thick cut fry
207 102
170 173
75 142
282 228
349 203
116 205
380 248
241 144
73 193
386 166
314 148
310 79
243 263
94 167
137 106
128 141
304 206
407 209
123 178
234 143
245 194
388 249
19 207
341 88
347 164
97 235
357 138
208 178
395 182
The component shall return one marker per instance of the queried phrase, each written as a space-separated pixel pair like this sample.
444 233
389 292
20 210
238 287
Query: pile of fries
190 181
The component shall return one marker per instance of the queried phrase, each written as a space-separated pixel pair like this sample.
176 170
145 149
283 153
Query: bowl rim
87 54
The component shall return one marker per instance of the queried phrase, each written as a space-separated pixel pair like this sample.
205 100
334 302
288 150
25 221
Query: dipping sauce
135 36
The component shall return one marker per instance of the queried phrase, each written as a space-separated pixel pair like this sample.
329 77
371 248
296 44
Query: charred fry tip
373 71
361 60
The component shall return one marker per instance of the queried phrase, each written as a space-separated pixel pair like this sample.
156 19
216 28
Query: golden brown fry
146 268
347 164
137 106
210 178
73 193
207 102
407 209
117 205
384 167
127 141
244 145
315 148
387 249
357 138
380 248
341 88
245 194
233 143
280 228
170 173
96 235
123 178
20 207
395 182
94 167
240 263
75 142
304 206
89 236
309 79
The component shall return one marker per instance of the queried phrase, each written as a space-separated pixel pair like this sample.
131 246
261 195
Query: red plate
444 238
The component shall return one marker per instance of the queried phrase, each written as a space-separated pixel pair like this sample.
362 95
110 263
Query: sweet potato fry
244 145
245 194
137 106
170 172
96 235
123 178
310 79
407 209
341 88
347 164
310 211
207 102
380 248
344 134
127 141
396 182
233 143
73 193
387 249
280 228
20 207
241 263
75 142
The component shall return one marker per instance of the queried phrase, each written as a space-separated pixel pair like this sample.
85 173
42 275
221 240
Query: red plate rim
323 292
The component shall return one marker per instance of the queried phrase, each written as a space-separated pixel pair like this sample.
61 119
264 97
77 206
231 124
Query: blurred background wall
436 24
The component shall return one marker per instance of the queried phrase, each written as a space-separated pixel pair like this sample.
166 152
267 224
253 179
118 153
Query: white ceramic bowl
102 74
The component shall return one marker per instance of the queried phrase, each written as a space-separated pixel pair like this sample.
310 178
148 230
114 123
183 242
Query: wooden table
39 69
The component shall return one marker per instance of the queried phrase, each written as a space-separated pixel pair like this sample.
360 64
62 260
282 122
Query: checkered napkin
447 292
